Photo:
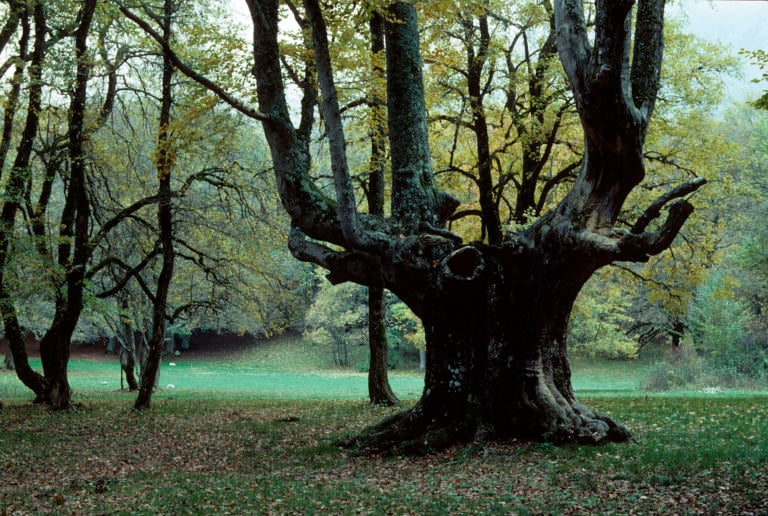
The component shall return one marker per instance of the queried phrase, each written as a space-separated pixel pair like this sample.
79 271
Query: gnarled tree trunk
495 314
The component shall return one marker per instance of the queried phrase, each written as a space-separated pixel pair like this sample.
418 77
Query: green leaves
599 322
759 58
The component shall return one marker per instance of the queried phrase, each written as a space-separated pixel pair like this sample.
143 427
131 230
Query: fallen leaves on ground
240 456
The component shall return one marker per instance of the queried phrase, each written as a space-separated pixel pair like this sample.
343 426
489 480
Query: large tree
495 314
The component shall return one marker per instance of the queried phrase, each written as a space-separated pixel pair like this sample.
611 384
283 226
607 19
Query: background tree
379 390
219 205
338 318
760 58
66 268
165 160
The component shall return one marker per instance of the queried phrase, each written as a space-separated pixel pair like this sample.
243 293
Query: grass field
257 436
289 368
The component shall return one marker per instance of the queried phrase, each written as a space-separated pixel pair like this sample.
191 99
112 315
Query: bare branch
654 209
131 272
198 78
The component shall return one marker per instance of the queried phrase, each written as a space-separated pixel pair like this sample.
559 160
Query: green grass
90 377
233 454
290 368
219 442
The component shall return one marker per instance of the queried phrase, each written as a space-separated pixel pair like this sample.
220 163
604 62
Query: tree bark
12 100
14 192
165 162
127 343
73 249
54 354
496 330
476 60
379 390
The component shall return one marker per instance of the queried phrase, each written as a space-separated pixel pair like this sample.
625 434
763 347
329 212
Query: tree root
410 432
597 429
413 433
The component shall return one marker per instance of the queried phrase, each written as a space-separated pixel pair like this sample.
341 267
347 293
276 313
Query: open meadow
259 435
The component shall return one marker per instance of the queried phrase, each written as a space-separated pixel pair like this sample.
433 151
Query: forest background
232 272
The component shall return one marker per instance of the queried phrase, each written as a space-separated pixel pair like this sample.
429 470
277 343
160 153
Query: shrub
723 328
686 369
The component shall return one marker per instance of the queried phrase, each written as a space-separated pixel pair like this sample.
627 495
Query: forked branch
345 195
654 210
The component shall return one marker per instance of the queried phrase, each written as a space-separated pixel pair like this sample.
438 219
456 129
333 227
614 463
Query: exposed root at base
597 429
409 433
412 433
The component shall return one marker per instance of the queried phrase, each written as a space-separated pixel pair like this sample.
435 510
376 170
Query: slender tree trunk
165 161
12 99
128 358
379 390
678 331
73 249
8 363
13 194
476 60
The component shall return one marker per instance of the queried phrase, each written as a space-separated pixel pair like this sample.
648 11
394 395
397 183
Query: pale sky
742 24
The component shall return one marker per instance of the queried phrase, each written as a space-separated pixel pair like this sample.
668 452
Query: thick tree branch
306 204
654 209
343 265
610 55
355 237
414 196
572 41
647 55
